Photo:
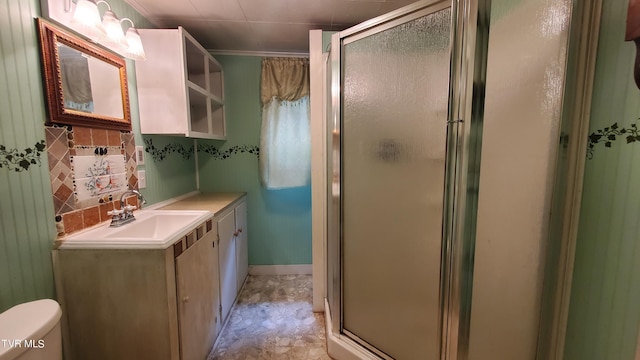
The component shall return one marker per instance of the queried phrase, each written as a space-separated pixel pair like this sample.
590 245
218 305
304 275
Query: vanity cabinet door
227 260
242 255
198 297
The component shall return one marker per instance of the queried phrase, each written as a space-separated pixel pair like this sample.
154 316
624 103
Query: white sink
152 229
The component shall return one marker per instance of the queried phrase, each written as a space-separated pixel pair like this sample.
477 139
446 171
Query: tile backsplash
98 175
89 169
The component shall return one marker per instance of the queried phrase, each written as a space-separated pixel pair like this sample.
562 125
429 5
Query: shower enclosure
405 248
395 138
393 166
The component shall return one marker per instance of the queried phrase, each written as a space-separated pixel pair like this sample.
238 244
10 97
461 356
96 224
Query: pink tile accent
68 206
72 221
63 193
131 200
82 135
104 208
99 137
133 182
52 134
114 138
57 204
91 216
53 161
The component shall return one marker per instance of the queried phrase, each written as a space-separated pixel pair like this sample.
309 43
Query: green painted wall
26 205
605 300
27 226
279 221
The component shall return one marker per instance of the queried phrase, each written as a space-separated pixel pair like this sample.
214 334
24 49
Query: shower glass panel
393 132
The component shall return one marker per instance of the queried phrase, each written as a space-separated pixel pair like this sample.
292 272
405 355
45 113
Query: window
285 146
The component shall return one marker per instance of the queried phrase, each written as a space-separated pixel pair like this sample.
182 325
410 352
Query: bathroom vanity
134 298
231 219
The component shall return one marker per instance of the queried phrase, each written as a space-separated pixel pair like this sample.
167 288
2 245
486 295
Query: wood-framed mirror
85 84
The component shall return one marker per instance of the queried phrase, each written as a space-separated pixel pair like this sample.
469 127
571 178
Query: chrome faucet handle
115 214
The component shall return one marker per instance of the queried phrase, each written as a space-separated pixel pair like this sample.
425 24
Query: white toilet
31 331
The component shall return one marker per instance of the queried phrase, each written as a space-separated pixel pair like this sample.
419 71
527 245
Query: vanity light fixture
134 49
108 32
86 19
115 37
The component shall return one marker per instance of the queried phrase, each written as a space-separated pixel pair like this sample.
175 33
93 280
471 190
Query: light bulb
86 20
114 38
135 50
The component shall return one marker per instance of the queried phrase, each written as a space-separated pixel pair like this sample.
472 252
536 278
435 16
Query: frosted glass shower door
394 128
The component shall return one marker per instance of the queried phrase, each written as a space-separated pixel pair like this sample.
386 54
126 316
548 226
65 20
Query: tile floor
273 320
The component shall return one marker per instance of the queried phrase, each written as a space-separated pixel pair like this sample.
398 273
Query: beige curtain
286 79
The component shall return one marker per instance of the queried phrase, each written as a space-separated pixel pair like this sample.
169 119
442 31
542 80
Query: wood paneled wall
605 300
26 207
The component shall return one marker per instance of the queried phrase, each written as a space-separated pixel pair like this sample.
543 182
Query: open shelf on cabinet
180 86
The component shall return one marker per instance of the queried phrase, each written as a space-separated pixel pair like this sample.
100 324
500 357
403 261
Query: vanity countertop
216 202
151 229
102 236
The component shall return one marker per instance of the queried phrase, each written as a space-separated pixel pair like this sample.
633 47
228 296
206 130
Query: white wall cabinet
180 86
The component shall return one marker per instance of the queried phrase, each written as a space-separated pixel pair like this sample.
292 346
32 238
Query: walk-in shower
415 94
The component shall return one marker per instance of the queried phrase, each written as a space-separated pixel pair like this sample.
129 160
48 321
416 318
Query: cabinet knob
235 233
185 299
240 230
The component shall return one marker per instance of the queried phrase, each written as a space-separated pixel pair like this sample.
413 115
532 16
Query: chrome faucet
124 215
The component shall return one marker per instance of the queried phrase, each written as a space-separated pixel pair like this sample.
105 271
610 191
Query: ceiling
260 26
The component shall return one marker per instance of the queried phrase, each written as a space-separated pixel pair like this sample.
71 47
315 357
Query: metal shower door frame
469 34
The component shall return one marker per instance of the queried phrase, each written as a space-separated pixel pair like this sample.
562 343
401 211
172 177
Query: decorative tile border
234 150
98 175
158 154
66 142
19 161
58 150
610 134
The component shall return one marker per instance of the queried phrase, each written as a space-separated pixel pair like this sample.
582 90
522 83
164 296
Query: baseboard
302 269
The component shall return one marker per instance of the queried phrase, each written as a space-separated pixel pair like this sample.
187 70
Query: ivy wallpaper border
18 161
226 154
159 154
610 134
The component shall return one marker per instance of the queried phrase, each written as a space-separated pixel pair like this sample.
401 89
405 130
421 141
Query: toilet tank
31 331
